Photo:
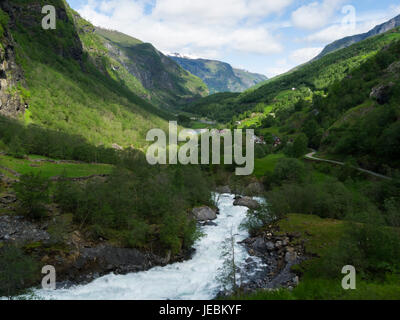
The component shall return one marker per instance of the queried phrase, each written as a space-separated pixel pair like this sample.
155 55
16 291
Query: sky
263 36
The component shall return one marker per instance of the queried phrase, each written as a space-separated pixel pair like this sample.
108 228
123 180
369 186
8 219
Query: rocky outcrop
278 254
91 263
394 68
17 229
204 213
254 188
246 202
11 104
381 93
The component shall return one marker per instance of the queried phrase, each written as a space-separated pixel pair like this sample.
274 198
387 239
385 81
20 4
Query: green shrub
289 169
33 194
16 270
327 199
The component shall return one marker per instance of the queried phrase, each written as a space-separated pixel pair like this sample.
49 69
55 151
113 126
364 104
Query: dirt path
310 156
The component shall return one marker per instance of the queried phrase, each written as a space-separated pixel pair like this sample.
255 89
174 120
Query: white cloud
197 27
304 55
280 66
364 22
316 14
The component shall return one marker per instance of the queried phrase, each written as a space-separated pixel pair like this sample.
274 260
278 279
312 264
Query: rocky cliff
11 104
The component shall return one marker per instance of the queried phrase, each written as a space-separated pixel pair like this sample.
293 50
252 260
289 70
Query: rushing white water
192 279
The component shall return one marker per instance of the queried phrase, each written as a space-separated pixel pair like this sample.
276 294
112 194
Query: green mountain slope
219 76
65 85
162 81
284 91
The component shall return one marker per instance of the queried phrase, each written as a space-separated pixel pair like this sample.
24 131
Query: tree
289 169
229 269
299 147
33 193
16 269
183 120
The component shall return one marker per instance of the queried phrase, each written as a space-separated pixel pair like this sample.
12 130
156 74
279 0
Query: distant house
277 141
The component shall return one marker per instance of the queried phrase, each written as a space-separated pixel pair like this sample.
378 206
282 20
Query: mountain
346 103
102 85
284 90
219 76
165 83
348 41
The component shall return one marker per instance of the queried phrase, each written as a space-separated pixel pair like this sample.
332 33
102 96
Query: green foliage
3 23
219 106
258 218
31 139
33 194
58 230
69 89
16 270
299 147
289 170
327 199
372 249
139 205
183 120
307 79
229 270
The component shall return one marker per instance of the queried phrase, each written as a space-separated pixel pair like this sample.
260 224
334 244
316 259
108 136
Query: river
192 279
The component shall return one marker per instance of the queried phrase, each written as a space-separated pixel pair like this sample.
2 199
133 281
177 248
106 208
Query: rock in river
247 202
204 213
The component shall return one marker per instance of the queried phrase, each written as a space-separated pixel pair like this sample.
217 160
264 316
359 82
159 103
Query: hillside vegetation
161 80
72 81
304 81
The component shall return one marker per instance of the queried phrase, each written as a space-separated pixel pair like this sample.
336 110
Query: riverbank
196 278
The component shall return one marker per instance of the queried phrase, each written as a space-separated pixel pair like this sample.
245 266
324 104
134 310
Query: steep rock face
11 104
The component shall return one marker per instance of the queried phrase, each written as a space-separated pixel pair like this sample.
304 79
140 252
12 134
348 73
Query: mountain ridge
348 41
219 76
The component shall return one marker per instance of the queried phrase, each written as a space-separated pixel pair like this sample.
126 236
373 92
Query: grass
267 164
323 289
319 234
49 169
319 237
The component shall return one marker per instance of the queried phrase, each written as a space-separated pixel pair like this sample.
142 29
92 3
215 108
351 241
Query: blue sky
264 36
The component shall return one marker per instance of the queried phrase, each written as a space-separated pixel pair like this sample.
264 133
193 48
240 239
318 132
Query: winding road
310 156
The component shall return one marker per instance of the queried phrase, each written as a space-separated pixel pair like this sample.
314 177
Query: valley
77 191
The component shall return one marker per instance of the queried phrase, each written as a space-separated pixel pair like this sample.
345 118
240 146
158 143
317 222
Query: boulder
224 189
259 244
270 246
290 256
204 213
394 67
246 202
255 188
